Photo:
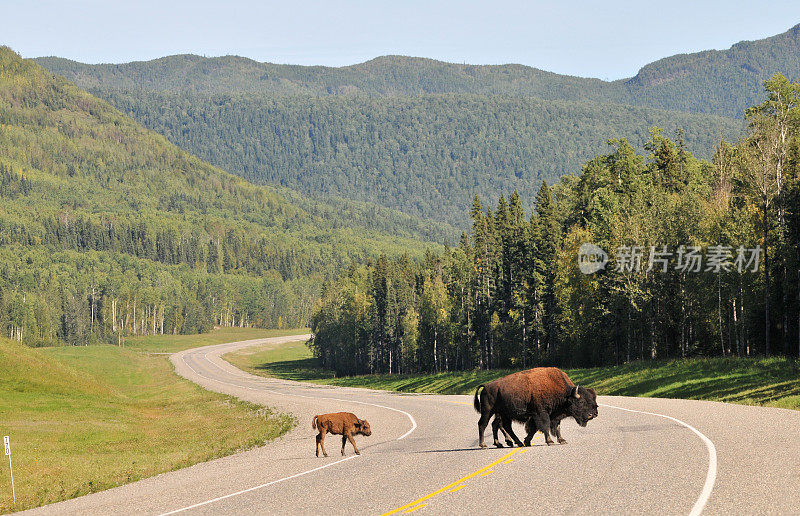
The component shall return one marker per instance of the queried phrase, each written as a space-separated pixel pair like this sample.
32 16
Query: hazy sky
609 39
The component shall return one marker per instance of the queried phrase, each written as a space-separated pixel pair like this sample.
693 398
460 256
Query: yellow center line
449 486
458 402
456 488
420 506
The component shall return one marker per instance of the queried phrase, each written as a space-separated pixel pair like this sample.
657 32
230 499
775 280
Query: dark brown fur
539 397
339 423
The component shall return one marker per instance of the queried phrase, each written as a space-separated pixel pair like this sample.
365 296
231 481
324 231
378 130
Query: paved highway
641 456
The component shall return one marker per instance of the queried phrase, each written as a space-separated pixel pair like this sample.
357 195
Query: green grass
290 361
84 419
773 382
173 343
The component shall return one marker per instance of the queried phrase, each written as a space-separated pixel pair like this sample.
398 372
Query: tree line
704 260
107 230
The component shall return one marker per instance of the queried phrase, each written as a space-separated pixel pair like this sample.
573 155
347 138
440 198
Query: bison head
362 427
582 404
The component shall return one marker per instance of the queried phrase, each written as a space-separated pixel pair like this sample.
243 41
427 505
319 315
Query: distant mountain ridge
721 82
424 136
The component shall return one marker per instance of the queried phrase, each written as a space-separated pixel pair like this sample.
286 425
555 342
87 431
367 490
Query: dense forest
108 230
423 136
722 82
704 260
426 156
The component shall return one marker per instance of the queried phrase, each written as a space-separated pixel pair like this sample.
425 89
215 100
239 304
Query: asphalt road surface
640 456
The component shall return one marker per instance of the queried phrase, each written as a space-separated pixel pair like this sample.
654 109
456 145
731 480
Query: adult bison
539 397
339 423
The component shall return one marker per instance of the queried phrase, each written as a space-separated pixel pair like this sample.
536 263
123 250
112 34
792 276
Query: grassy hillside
175 343
106 228
771 382
84 419
424 136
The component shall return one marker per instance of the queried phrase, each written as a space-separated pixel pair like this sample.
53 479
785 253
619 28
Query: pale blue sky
610 39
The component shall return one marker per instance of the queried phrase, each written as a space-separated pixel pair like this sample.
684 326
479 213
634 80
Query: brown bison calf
340 423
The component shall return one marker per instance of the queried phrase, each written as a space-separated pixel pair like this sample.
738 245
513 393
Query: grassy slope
84 419
173 343
771 382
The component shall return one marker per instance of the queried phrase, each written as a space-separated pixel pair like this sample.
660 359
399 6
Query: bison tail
477 402
314 422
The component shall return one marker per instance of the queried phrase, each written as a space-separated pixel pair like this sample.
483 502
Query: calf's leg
321 438
353 442
344 441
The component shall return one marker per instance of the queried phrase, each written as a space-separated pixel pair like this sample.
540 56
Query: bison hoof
498 445
549 443
358 453
562 441
324 454
510 444
482 445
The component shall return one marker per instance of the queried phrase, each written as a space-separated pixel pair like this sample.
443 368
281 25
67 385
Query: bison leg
321 439
344 441
508 440
541 420
530 428
555 429
509 431
352 441
482 422
495 427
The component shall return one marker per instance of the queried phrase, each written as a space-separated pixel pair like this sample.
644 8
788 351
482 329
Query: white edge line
243 491
409 416
257 487
711 475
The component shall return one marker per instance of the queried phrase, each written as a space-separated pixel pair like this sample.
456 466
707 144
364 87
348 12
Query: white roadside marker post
7 445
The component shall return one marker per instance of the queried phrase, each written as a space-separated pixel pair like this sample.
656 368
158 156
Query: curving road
645 456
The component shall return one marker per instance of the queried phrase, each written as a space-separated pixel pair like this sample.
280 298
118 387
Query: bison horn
576 393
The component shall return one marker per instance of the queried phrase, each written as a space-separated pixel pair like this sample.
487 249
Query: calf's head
582 404
362 427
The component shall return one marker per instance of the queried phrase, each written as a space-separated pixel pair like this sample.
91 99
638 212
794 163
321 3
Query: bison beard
539 397
339 423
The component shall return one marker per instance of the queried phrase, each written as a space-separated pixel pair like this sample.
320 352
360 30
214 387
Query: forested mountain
695 258
720 82
421 135
107 229
425 155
